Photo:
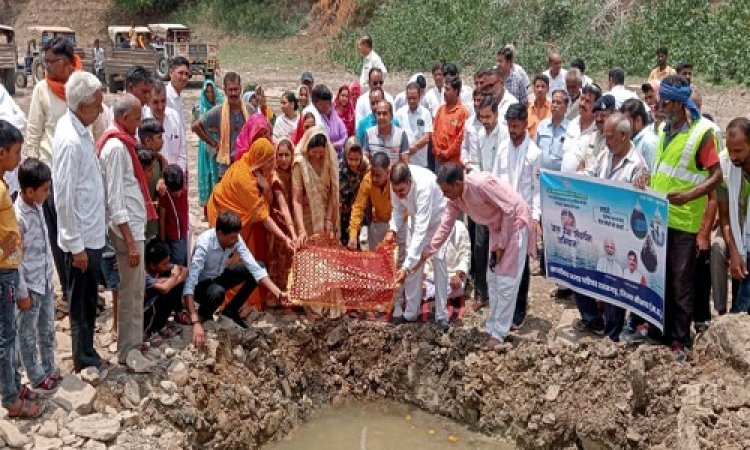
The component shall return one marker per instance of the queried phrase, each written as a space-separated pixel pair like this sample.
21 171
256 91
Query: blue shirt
645 142
370 121
550 140
210 259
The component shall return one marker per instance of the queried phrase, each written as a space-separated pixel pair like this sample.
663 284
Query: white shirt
467 98
362 108
621 94
579 145
98 58
78 187
416 124
434 98
45 110
174 101
629 167
502 107
424 204
556 83
125 203
635 276
457 253
370 61
470 144
519 167
611 267
487 146
174 147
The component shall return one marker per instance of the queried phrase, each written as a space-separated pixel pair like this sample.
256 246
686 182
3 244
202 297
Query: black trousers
480 261
58 256
156 316
210 293
84 292
522 299
702 287
679 294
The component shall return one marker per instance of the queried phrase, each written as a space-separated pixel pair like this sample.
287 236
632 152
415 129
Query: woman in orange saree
315 195
246 190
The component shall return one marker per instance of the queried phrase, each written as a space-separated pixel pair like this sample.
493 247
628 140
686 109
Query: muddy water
383 426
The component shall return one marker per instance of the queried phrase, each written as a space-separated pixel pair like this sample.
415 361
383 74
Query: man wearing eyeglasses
376 79
47 106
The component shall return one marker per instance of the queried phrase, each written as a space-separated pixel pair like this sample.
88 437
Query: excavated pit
255 386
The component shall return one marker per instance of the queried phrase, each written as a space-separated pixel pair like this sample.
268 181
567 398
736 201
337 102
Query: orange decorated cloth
326 274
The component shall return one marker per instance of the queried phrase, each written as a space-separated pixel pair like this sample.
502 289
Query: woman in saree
245 189
256 127
303 95
208 168
285 124
281 206
315 196
353 168
345 108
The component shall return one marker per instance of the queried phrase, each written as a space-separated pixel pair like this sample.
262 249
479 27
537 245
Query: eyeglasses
48 62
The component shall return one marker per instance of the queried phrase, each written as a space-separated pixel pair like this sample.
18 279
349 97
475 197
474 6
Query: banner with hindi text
606 240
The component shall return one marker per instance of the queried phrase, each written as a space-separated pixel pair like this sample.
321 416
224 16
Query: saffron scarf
140 176
57 87
238 189
249 134
312 181
225 133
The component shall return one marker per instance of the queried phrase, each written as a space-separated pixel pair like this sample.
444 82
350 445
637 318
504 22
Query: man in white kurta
517 163
415 192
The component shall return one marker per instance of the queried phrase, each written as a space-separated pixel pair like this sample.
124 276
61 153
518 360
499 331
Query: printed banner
606 240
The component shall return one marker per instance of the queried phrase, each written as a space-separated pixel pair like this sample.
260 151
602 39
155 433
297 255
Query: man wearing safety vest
687 170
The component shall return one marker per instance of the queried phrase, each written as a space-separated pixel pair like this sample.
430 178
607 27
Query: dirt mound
254 386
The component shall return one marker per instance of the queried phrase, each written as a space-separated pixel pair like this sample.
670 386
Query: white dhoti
503 291
413 290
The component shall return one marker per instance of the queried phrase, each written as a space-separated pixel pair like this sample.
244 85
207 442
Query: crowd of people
449 173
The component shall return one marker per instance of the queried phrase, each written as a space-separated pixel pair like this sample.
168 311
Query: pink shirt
489 201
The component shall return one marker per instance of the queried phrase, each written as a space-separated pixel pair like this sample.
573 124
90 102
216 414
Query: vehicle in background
120 55
8 58
171 40
40 35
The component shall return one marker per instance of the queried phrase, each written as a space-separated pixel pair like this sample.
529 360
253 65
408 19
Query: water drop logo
638 222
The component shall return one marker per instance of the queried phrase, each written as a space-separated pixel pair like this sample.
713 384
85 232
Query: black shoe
584 327
400 320
237 319
561 293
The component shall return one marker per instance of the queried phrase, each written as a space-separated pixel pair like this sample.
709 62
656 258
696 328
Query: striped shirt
35 271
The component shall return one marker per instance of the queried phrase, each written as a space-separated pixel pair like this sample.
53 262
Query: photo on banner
606 240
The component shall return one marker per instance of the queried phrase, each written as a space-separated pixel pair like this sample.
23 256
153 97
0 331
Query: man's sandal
50 383
26 393
29 409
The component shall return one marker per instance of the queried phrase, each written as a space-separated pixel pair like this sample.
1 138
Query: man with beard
212 121
686 169
517 163
732 196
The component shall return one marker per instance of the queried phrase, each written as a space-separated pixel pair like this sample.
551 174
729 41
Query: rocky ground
547 388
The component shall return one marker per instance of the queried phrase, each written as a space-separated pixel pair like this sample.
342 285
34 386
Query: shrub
412 35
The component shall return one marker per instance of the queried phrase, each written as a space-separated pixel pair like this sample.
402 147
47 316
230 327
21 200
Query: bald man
555 73
128 207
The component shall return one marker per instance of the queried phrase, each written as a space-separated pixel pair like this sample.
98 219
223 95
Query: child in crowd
36 325
20 401
163 294
151 134
173 212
